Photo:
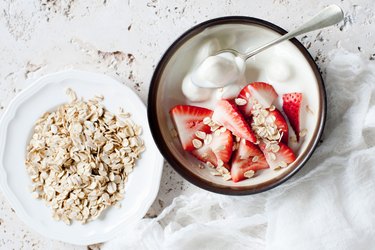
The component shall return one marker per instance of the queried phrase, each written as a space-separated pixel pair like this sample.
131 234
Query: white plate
16 127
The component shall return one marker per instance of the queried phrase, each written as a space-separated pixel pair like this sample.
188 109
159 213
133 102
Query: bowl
241 33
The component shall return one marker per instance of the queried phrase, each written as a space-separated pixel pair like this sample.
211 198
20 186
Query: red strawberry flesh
205 154
284 155
257 92
227 115
188 120
222 145
281 124
292 106
243 160
220 148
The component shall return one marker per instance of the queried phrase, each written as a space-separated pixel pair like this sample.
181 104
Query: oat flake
79 158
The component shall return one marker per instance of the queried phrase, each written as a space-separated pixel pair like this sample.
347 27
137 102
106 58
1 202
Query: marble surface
125 39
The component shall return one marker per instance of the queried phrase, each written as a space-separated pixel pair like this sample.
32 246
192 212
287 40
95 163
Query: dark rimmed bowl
165 92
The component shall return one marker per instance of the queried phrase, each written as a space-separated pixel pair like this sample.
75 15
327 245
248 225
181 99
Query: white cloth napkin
330 204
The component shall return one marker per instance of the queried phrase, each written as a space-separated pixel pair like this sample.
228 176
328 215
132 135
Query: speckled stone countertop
125 39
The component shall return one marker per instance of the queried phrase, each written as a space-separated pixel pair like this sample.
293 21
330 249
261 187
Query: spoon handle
326 17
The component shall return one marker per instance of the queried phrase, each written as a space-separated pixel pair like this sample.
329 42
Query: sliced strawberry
188 120
205 154
243 160
227 115
257 92
291 106
219 148
281 158
281 124
222 145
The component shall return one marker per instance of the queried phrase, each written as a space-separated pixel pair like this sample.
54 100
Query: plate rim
20 211
156 131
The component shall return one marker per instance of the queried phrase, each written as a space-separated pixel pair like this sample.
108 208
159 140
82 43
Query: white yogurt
212 77
278 71
218 71
208 48
193 92
231 91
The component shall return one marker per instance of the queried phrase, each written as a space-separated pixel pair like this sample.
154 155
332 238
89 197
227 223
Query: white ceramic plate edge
8 193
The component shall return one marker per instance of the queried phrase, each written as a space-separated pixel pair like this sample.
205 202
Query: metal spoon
326 17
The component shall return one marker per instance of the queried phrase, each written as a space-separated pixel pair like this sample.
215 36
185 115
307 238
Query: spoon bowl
329 16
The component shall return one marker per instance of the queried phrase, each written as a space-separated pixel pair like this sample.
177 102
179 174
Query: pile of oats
266 130
264 125
80 156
